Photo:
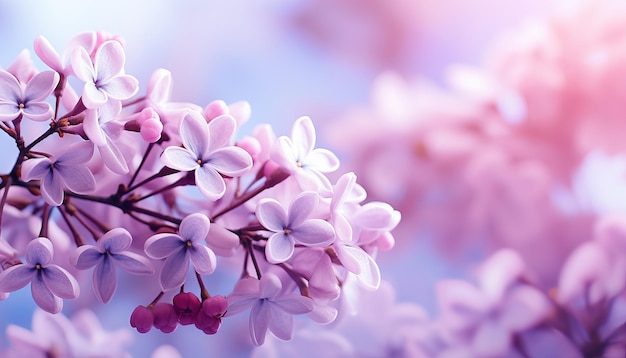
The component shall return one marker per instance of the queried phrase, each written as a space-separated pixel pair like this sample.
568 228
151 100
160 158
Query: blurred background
287 58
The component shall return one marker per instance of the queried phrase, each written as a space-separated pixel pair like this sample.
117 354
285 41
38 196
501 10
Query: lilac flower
99 126
109 253
28 101
49 283
61 63
271 308
177 250
104 77
209 318
207 152
298 156
292 227
66 171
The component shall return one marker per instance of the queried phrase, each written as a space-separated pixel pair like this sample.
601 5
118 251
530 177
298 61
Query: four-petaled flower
17 99
67 171
292 227
207 151
49 283
177 250
104 77
110 251
272 308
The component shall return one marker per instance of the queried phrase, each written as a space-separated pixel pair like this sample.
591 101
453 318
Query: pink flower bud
209 319
187 306
165 317
250 145
215 109
142 319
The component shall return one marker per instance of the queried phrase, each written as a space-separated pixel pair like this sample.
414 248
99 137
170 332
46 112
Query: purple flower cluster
126 181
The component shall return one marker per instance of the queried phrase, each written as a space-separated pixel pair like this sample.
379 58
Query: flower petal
60 282
41 86
121 87
113 157
303 136
203 259
104 280
77 179
295 304
194 227
47 53
16 277
109 60
8 111
231 161
322 160
259 322
221 130
133 263
302 207
314 232
279 248
35 168
271 215
194 132
82 66
44 298
52 188
85 257
174 270
180 159
162 245
39 251
10 90
210 182
280 322
115 240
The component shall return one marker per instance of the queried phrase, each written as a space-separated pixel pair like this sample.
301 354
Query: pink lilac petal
38 111
194 133
245 293
60 282
231 161
8 111
39 251
294 304
203 259
376 216
115 241
77 179
113 157
501 270
524 308
301 208
369 276
160 246
220 130
48 54
210 182
175 269
159 86
195 227
279 248
83 66
40 86
121 87
491 340
133 263
93 97
85 257
78 153
322 160
109 60
284 155
104 279
269 286
582 274
10 90
179 159
313 232
91 126
349 257
259 322
221 240
44 298
271 215
280 322
303 137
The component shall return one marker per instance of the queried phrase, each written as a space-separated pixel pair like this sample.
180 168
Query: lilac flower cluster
123 181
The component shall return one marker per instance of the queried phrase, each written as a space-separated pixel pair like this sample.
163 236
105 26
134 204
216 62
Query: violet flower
66 171
293 226
49 283
28 101
110 252
179 249
208 153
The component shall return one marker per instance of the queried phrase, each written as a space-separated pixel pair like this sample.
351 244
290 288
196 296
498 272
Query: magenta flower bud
187 306
165 317
209 319
142 319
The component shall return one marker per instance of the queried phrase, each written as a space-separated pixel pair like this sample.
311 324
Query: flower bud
165 317
187 306
142 319
209 319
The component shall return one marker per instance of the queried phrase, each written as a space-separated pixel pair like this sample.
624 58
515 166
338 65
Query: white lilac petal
582 274
322 160
44 298
38 111
82 66
303 136
231 161
39 251
16 277
46 52
302 207
351 258
10 90
86 256
113 157
41 85
502 269
179 159
60 282
271 215
314 232
323 314
109 60
491 340
221 240
295 304
35 168
369 277
342 227
524 308
376 216
203 259
160 246
92 128
279 248
245 293
105 280
210 182
77 179
159 86
269 286
121 87
133 263
221 130
78 153
194 133
194 227
174 270
283 154
280 322
93 97
259 322
8 111
115 240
